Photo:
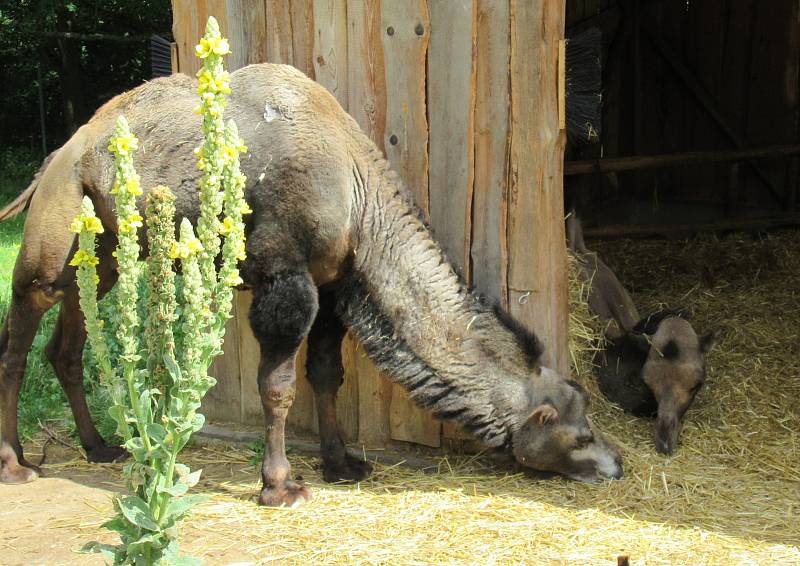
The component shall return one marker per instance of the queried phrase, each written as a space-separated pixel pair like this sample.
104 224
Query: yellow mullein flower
183 250
233 279
204 78
93 224
229 152
83 258
207 82
215 45
123 145
194 246
178 251
128 225
246 208
133 186
227 226
88 223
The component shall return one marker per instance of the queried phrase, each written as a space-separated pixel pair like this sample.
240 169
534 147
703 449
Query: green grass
42 398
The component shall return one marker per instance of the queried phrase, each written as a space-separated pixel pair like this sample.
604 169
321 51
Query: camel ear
544 414
706 342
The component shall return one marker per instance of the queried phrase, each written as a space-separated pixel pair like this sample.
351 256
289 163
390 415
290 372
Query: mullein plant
157 382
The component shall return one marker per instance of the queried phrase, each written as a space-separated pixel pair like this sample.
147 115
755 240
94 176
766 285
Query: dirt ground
729 495
464 512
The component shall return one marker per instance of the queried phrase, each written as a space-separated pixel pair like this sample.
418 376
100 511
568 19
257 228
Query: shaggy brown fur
332 230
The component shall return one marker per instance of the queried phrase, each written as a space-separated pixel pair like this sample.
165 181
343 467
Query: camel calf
653 366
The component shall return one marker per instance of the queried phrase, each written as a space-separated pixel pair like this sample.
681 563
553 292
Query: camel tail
19 204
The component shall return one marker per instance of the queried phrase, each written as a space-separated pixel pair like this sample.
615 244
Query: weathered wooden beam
537 277
406 33
640 162
133 38
646 230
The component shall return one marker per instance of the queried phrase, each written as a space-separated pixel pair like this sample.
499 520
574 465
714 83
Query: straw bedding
730 494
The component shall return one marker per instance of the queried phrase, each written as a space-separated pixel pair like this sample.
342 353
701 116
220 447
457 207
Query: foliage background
108 54
88 50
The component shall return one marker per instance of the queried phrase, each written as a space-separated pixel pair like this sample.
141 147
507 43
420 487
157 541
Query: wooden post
405 32
537 252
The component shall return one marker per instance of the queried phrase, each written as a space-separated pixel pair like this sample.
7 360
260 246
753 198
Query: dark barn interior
708 91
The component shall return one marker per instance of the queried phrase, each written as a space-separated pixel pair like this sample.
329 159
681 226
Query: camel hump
19 204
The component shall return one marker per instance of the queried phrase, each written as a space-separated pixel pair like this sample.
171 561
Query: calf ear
544 414
639 340
706 342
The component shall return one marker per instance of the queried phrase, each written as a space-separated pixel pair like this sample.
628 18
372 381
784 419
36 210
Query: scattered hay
585 329
730 495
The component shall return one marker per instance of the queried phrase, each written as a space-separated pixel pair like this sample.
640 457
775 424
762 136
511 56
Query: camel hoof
17 474
106 454
13 471
291 494
352 470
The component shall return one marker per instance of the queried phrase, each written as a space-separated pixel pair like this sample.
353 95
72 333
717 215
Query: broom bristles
584 86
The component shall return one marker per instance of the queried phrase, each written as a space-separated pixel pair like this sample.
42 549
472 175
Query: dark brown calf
650 367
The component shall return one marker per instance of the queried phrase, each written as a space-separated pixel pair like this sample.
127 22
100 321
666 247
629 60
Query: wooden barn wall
742 56
429 81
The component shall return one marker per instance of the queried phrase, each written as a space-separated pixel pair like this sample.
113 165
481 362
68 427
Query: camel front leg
283 309
276 386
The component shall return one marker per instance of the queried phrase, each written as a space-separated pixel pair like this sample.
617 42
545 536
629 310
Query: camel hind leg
65 352
28 305
326 374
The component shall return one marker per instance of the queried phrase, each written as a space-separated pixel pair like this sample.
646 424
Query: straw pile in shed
730 494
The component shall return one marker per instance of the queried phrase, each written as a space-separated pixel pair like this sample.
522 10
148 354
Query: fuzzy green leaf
106 550
176 490
153 541
172 368
119 525
137 512
173 557
179 507
191 479
156 432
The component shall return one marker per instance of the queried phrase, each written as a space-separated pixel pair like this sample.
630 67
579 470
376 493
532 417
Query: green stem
137 407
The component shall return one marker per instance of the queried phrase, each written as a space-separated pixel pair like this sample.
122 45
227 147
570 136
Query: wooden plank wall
429 81
744 55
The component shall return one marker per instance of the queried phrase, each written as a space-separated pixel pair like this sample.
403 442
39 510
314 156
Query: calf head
674 371
555 434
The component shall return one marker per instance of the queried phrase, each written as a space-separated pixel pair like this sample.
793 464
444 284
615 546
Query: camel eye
697 387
